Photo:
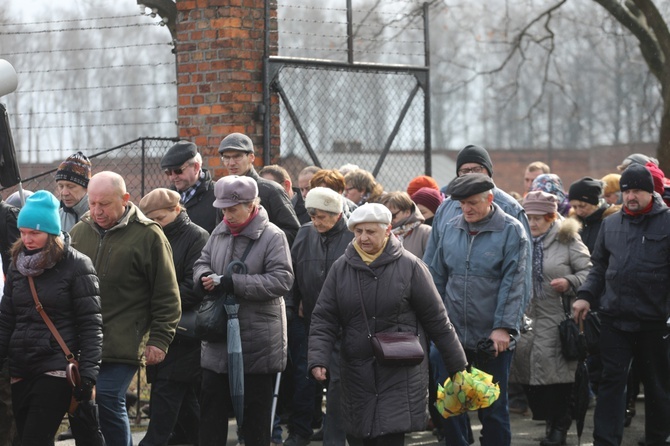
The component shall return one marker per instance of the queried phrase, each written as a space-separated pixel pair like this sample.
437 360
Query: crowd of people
483 278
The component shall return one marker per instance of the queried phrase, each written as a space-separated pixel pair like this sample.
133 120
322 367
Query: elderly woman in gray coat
262 313
380 403
561 263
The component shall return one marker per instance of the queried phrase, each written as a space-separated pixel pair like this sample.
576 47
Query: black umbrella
580 389
235 359
85 424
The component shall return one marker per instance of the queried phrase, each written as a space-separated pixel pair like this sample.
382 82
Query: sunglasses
178 170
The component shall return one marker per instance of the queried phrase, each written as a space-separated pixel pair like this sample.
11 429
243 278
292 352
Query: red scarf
636 213
236 229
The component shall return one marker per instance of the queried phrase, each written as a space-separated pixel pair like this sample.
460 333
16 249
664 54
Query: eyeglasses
394 215
478 169
177 171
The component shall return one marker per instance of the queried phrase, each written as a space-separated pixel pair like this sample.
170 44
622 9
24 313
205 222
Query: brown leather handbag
393 348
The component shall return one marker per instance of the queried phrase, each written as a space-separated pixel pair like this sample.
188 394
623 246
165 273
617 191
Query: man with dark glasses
182 165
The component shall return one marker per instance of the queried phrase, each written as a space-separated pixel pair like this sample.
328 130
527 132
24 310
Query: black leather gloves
84 390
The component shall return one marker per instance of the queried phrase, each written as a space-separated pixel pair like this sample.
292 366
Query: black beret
178 154
587 190
468 185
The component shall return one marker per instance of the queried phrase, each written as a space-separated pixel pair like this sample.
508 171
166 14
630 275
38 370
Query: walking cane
275 395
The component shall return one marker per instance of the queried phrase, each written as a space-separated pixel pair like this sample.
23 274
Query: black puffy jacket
70 295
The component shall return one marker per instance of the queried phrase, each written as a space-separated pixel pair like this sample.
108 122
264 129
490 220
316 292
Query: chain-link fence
373 119
138 162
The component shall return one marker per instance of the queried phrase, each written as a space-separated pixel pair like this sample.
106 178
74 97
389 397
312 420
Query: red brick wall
570 165
220 49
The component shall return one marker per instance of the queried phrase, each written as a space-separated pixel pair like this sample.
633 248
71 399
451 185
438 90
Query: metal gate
371 115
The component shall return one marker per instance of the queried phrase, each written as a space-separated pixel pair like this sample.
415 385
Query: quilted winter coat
399 295
260 292
538 359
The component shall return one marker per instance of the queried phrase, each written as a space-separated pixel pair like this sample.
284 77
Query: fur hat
421 181
636 176
76 168
611 183
587 190
428 197
539 203
369 213
474 154
178 154
324 199
234 189
468 185
237 141
158 199
40 213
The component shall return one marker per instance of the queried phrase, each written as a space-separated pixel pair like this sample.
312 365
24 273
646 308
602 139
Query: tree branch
649 46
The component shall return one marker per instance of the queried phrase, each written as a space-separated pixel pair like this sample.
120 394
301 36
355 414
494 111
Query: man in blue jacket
479 265
630 280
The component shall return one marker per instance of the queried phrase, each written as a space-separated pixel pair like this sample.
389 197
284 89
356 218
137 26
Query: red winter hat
421 181
657 175
428 197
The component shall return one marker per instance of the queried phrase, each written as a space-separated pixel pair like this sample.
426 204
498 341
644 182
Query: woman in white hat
382 402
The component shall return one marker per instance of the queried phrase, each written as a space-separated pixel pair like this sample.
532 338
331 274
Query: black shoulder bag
211 319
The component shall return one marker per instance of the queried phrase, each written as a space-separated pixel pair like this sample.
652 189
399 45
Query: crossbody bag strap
360 296
247 249
52 328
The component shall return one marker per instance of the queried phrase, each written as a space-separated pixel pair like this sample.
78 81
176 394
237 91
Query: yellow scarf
369 258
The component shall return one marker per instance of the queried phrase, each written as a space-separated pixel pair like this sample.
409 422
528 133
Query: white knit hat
324 199
369 213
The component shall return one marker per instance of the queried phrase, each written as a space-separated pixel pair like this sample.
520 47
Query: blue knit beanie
40 213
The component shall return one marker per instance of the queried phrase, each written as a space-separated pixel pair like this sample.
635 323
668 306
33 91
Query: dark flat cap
237 141
468 185
178 154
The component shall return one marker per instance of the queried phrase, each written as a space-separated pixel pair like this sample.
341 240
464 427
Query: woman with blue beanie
67 287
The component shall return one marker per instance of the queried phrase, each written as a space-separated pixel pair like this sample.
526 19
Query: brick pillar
220 49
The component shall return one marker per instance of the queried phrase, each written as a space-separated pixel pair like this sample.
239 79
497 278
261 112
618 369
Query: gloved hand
84 390
227 286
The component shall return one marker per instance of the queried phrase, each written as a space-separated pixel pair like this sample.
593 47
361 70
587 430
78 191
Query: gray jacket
260 292
71 216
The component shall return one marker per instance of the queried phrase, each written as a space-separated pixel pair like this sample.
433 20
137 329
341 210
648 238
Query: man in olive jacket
138 289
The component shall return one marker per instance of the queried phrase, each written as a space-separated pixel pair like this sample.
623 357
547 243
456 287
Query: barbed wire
79 112
385 53
91 28
103 48
322 22
316 8
359 37
118 124
101 87
154 64
85 19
